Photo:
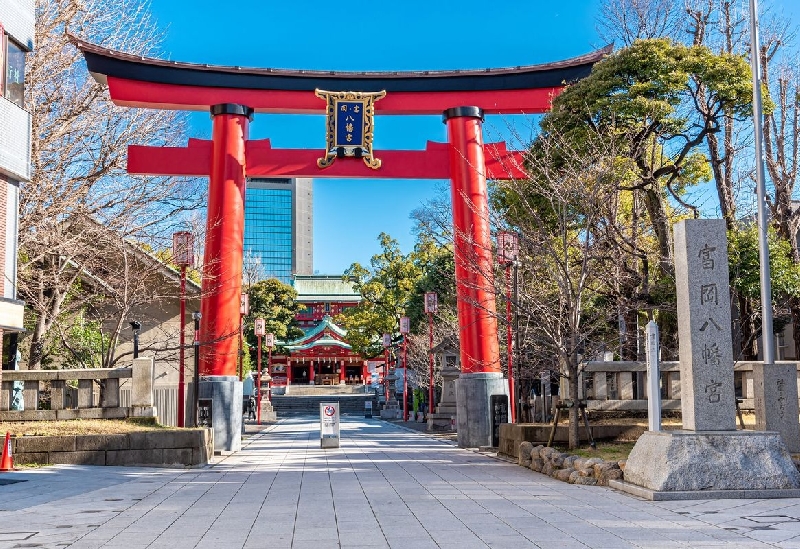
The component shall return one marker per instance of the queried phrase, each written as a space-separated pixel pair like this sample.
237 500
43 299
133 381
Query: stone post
142 402
653 378
775 401
704 325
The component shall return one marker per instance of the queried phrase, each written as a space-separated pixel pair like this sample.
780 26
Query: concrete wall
190 447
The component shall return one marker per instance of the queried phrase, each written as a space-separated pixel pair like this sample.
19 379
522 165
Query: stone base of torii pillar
710 459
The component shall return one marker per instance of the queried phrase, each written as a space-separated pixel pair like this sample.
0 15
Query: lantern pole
183 256
404 329
196 316
259 326
387 342
507 253
431 307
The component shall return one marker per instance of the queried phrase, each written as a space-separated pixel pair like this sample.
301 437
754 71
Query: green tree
276 303
638 92
391 288
745 280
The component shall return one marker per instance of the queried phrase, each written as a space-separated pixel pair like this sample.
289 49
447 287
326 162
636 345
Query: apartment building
17 19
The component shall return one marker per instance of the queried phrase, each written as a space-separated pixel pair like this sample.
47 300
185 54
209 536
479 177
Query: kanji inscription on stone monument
704 320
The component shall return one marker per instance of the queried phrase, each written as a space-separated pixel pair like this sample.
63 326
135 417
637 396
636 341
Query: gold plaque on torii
350 126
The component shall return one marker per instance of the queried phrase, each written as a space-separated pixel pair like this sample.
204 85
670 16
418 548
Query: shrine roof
104 62
321 342
326 324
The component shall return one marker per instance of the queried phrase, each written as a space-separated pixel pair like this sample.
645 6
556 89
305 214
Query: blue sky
408 35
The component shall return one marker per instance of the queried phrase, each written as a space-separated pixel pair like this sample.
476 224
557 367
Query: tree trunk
654 204
574 441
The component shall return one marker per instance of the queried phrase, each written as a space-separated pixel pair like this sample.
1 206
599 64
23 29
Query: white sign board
329 425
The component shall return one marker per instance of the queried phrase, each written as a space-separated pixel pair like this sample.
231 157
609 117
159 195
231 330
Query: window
15 74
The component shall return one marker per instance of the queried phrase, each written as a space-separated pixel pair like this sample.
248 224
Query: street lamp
136 326
196 316
405 324
387 342
260 328
507 254
431 308
183 256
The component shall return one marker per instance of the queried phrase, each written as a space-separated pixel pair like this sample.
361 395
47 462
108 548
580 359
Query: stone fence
77 394
621 385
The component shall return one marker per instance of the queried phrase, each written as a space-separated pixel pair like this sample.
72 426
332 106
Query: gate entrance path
385 487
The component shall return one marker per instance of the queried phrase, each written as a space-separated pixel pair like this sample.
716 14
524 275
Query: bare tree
626 21
79 151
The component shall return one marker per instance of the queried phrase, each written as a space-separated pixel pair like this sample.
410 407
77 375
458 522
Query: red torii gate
233 94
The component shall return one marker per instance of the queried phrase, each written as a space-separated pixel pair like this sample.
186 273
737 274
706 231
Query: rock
580 463
569 461
525 454
592 461
586 472
548 468
537 464
586 481
537 451
622 463
563 474
611 474
600 468
546 452
557 460
574 476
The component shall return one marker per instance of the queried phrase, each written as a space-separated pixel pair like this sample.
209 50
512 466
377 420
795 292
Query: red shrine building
321 356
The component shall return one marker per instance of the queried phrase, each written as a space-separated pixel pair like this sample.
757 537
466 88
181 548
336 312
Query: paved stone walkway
385 487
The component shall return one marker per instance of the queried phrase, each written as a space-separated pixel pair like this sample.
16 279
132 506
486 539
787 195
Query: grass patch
608 451
78 427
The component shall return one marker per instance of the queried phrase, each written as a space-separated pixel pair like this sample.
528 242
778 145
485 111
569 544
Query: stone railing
618 385
74 394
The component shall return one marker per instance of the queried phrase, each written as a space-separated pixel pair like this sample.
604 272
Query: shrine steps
316 390
288 405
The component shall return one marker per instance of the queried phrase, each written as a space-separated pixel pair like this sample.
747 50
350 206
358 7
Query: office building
278 228
16 40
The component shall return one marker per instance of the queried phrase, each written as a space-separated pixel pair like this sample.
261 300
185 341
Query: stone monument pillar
446 410
708 401
709 458
775 396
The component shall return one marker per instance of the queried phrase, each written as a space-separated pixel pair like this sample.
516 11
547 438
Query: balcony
15 141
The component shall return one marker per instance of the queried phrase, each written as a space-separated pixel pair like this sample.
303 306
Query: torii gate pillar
481 377
222 274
